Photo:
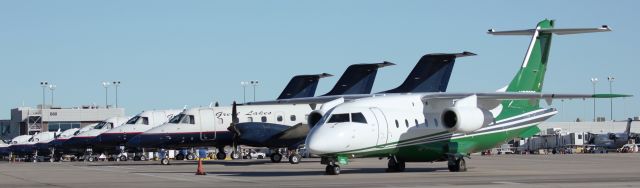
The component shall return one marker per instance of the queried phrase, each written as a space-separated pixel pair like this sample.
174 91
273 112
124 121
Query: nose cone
326 140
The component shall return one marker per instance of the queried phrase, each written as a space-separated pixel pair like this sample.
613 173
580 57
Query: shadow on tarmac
307 173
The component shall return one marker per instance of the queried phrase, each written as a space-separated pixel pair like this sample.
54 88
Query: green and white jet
427 127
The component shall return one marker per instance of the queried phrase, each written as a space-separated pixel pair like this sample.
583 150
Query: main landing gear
456 163
395 165
221 154
276 157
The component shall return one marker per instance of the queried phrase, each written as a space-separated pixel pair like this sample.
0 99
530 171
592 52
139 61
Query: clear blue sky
174 53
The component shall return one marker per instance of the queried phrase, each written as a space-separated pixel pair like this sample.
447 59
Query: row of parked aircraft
418 121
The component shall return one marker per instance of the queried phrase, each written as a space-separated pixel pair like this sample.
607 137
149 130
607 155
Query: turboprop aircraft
117 137
612 140
19 146
57 147
86 140
199 127
39 143
427 127
430 74
4 148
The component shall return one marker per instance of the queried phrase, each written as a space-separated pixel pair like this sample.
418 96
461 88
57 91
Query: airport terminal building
28 120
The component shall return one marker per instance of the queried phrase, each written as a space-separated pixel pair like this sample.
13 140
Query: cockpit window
176 119
358 118
339 118
133 120
104 124
145 120
190 119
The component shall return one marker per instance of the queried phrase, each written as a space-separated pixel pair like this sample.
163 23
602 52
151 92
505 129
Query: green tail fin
530 77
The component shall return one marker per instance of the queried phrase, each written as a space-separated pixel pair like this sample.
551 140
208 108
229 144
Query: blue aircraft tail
302 86
431 74
357 79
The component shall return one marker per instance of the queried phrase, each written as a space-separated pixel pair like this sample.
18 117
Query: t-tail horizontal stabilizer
302 86
431 73
357 79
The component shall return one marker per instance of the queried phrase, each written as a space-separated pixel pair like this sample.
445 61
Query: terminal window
54 126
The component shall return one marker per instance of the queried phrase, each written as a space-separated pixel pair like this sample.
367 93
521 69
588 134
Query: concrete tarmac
575 170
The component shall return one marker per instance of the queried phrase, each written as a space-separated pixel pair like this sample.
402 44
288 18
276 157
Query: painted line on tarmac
506 183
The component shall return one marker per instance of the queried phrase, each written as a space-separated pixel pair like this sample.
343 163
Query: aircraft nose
326 140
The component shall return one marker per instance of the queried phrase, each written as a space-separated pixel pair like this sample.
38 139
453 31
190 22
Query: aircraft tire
142 158
164 161
180 157
332 170
395 166
90 159
221 155
276 157
295 159
191 156
235 155
459 165
122 158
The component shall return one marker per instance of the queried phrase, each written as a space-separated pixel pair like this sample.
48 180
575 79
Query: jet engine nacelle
465 119
314 117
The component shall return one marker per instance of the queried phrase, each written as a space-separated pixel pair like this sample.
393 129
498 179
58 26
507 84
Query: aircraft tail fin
302 86
530 77
357 79
431 74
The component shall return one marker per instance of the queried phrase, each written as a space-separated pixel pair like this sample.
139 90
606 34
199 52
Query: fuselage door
207 123
381 121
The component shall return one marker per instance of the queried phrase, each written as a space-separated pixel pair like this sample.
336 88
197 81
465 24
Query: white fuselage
206 126
138 124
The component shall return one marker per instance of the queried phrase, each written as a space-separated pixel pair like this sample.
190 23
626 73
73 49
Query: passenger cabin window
397 124
339 118
579 136
190 119
416 122
292 118
426 122
358 118
279 118
406 123
435 121
263 119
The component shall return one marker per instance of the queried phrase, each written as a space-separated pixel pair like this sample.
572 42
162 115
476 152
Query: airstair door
207 123
381 121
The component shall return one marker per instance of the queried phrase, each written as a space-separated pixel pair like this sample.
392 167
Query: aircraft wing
517 96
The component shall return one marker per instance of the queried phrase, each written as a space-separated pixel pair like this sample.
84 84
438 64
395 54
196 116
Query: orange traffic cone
200 168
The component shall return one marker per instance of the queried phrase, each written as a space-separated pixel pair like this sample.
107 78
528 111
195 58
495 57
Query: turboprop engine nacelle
465 119
316 115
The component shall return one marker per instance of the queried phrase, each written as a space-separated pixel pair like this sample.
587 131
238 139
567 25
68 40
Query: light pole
611 79
52 88
116 83
594 81
44 85
106 93
254 83
244 91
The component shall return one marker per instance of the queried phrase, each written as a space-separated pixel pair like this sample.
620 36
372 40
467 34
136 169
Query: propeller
232 127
